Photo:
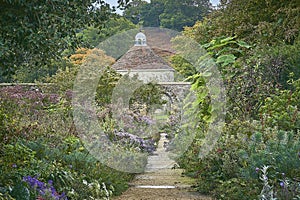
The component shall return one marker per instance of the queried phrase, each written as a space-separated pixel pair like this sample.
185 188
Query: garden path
161 181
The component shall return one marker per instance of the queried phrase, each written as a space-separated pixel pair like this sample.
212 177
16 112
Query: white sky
115 3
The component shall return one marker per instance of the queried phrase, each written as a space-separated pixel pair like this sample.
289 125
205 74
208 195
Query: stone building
141 60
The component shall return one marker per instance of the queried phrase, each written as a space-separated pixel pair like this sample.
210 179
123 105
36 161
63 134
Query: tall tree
180 13
92 36
35 32
136 9
173 14
152 12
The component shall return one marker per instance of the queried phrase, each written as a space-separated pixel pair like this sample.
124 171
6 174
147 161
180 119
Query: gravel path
161 181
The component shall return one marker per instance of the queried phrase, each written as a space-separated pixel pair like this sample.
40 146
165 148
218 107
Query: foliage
35 73
289 189
106 84
279 62
35 33
256 54
92 36
230 170
264 22
63 80
149 95
41 120
178 14
140 11
30 103
41 116
282 108
167 14
183 68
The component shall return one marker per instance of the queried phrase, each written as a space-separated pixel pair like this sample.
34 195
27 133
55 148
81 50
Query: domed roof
140 39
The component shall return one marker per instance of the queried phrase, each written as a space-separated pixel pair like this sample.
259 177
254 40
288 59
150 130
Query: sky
114 2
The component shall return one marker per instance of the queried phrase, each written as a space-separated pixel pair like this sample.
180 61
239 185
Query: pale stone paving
161 181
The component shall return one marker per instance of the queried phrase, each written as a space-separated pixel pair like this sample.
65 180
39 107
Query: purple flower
50 182
257 169
281 184
146 120
35 183
69 94
14 165
54 98
44 189
127 138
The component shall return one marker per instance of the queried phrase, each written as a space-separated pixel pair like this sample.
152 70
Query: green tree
272 27
92 36
178 13
255 21
173 14
35 32
136 9
151 14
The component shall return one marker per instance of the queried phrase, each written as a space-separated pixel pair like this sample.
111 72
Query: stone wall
155 75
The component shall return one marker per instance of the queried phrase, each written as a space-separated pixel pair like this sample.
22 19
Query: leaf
221 45
21 192
228 39
226 59
228 49
243 44
206 45
201 95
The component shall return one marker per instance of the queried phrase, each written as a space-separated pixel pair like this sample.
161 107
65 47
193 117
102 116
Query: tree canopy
172 14
255 21
92 36
34 33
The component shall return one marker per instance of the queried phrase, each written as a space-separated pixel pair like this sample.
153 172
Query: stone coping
25 84
145 70
48 84
174 83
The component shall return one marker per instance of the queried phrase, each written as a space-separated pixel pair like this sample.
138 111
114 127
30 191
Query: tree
173 14
255 21
178 13
35 32
271 26
92 36
151 15
136 9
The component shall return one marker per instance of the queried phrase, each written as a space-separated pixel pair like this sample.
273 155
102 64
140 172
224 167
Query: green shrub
282 109
236 189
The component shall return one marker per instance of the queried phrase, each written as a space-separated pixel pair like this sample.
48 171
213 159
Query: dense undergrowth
42 154
257 155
